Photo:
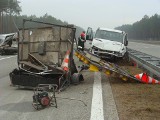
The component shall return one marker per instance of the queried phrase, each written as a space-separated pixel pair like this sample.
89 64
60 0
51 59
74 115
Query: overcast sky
93 13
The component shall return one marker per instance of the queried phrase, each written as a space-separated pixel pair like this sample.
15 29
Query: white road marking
97 100
7 57
111 109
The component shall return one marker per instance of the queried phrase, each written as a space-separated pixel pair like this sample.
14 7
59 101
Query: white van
108 43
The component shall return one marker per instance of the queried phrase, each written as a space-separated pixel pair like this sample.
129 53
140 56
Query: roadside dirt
134 100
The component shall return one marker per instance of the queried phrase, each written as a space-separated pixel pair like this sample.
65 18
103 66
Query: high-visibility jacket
81 42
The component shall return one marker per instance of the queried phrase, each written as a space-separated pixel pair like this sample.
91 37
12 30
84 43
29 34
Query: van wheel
126 57
89 49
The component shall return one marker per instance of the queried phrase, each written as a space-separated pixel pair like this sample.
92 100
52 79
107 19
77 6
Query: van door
125 40
89 38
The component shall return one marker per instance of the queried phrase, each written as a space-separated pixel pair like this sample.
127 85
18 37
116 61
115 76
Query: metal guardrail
149 63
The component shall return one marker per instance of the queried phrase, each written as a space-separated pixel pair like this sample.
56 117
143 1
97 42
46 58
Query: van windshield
108 35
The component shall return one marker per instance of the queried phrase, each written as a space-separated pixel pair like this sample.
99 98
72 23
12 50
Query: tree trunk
0 22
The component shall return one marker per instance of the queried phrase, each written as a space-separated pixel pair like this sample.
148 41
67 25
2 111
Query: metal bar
42 41
45 51
48 23
59 47
29 43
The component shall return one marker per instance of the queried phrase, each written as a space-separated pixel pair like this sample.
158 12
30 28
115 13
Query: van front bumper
106 53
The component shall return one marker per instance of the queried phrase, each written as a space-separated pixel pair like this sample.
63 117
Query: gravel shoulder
134 100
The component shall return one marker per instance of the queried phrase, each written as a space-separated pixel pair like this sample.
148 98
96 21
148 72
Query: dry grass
134 100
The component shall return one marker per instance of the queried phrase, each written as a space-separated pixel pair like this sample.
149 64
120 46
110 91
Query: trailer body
40 54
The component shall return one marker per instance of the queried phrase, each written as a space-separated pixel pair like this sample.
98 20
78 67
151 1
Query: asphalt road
145 48
7 63
90 100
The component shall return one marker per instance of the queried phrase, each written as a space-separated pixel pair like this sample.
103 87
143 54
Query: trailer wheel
76 78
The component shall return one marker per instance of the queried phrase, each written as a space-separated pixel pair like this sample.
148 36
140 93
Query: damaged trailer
41 56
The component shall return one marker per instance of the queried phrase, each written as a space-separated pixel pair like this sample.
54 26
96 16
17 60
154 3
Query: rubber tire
76 78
